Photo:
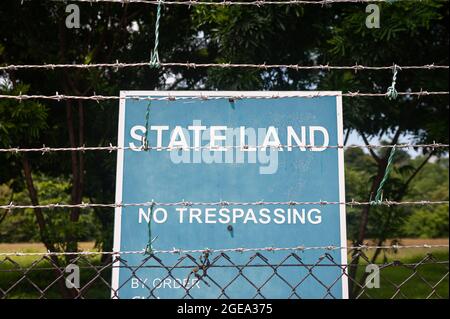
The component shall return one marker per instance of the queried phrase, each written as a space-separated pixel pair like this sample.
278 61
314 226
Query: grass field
404 280
30 276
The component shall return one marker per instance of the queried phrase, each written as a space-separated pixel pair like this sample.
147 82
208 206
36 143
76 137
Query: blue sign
230 173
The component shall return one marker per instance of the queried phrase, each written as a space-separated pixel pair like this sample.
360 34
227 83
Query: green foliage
20 122
409 34
399 21
427 223
389 222
21 125
432 183
20 225
359 168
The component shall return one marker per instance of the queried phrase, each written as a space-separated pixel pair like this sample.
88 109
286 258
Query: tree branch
347 135
372 152
414 174
396 136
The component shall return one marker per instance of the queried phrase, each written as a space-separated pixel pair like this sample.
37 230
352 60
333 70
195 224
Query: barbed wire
256 3
111 148
315 94
121 65
118 65
227 250
82 205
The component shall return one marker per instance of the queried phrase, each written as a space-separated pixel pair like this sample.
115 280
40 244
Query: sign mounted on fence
240 164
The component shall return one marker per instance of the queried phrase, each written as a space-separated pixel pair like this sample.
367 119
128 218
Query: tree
106 34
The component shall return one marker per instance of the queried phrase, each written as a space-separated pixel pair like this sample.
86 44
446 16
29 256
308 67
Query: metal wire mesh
223 274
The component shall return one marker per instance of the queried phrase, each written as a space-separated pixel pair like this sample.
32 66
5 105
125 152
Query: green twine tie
379 196
149 247
145 145
154 62
392 93
154 57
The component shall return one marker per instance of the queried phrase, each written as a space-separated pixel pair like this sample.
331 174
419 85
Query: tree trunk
43 232
76 159
382 165
353 266
35 202
383 233
71 244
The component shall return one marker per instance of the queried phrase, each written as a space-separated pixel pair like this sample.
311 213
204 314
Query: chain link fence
225 275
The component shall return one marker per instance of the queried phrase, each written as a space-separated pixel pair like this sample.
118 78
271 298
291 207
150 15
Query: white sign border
120 157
